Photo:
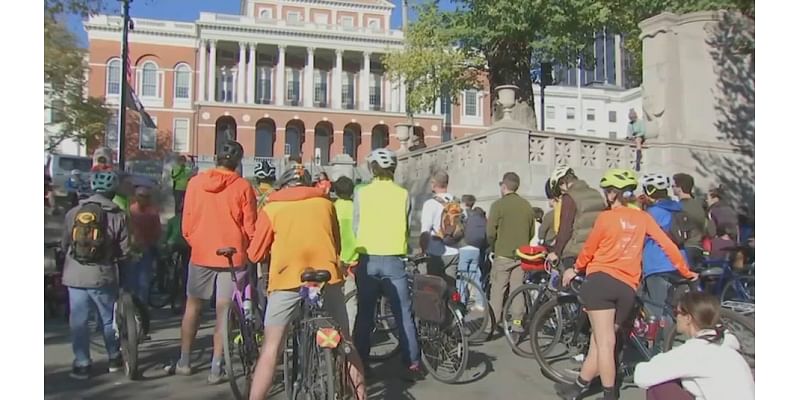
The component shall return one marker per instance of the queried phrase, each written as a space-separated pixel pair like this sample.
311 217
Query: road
494 372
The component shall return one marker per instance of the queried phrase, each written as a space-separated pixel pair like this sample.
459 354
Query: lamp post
123 90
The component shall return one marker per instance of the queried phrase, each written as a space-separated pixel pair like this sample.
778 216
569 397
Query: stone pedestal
341 165
402 132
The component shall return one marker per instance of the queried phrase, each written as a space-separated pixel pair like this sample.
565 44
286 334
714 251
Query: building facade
285 77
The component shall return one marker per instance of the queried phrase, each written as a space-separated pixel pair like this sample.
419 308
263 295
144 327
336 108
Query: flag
131 99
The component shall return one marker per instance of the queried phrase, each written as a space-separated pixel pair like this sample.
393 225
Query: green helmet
619 178
104 182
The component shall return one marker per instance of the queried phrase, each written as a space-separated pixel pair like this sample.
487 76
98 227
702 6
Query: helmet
294 175
656 182
384 157
548 191
104 182
560 172
265 170
75 172
531 257
231 150
619 178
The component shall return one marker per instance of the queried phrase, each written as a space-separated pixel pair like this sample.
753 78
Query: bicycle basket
430 298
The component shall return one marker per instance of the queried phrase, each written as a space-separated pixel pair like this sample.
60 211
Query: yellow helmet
619 178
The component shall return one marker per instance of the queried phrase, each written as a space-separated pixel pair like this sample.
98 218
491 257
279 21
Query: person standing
511 224
441 256
720 214
146 229
180 180
682 188
348 257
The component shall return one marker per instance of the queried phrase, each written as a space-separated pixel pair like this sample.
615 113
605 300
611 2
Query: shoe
115 364
81 373
568 391
172 368
478 308
415 373
214 379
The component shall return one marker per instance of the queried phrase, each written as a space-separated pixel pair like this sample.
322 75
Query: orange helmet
532 257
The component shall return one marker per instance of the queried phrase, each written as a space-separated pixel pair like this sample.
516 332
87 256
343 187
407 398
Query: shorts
601 291
201 281
283 307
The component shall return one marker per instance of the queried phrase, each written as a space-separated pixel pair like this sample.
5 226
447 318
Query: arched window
380 136
225 130
351 139
149 79
265 138
323 135
295 136
183 83
112 77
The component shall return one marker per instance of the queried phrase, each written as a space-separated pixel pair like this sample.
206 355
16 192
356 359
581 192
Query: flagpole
123 85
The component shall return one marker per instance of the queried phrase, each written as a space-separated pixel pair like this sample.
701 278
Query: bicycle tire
235 320
530 303
177 287
730 288
159 293
456 327
385 326
542 316
725 315
289 365
476 328
129 335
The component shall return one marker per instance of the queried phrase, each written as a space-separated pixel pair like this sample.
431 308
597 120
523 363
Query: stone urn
402 132
507 97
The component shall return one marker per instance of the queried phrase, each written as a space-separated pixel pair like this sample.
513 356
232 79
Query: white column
242 74
337 82
363 92
618 59
437 107
251 75
212 72
386 92
202 72
402 96
308 79
280 76
396 95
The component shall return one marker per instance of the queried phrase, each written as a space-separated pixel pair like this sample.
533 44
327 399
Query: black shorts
601 291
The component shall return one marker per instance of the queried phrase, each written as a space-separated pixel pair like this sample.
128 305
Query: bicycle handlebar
226 252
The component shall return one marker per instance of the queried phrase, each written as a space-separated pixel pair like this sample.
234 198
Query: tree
81 118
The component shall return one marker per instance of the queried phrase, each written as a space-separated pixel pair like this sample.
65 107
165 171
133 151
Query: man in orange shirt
298 228
219 211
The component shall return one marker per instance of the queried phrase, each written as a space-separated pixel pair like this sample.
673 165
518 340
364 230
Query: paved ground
494 372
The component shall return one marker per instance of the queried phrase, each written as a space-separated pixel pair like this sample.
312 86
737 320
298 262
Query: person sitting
706 367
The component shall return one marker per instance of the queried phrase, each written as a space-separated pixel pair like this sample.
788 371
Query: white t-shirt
431 222
708 371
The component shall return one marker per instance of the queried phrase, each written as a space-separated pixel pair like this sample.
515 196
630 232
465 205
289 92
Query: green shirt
123 203
344 214
511 224
636 129
173 237
180 177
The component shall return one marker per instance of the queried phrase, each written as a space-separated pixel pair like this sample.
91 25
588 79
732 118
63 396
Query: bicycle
736 291
534 291
168 284
131 327
242 332
314 357
479 315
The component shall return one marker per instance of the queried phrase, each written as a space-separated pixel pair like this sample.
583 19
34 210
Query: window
112 130
265 13
320 88
264 85
147 136
293 17
149 80
570 112
590 114
112 77
347 22
180 135
375 83
374 24
348 90
183 81
550 128
550 112
612 135
321 18
225 84
56 111
293 86
612 116
471 103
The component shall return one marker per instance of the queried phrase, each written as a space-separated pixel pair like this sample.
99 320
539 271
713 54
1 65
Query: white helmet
655 181
384 157
560 172
265 170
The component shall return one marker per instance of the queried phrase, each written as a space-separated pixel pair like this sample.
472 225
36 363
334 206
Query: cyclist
381 212
180 179
324 182
92 282
442 258
549 227
75 187
173 242
348 257
720 214
265 173
298 228
612 259
219 211
658 270
580 206
682 188
146 229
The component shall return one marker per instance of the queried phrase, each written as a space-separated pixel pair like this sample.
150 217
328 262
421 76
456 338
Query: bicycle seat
712 272
318 276
416 259
226 251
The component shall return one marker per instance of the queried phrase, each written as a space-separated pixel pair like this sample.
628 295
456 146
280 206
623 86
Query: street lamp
123 92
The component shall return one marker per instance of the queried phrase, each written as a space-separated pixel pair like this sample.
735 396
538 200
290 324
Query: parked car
59 167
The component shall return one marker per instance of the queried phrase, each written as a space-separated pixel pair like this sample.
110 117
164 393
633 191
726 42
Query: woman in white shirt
707 367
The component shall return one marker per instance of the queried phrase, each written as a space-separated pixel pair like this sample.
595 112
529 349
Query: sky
189 10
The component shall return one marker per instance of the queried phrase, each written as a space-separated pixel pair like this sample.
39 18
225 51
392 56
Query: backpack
451 227
475 231
89 235
680 228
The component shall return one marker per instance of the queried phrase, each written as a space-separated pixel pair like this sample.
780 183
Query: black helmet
294 175
548 190
231 150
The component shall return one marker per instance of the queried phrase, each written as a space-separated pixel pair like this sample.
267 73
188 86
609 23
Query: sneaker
214 379
172 368
477 307
115 364
81 373
415 373
568 391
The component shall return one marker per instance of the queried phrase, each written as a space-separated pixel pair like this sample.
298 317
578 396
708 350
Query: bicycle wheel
479 315
240 347
160 293
444 348
560 338
532 295
289 365
385 340
320 380
177 285
740 326
740 289
128 334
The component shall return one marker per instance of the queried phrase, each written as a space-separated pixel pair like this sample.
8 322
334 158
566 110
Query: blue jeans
386 275
468 268
80 302
139 274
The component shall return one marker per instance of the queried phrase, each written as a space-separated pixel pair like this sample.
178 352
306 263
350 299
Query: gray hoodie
104 273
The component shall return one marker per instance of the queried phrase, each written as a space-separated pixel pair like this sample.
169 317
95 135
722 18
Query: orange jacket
219 211
299 229
616 242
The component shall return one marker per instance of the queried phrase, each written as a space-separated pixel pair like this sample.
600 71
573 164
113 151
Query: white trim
182 102
150 101
119 81
472 119
188 134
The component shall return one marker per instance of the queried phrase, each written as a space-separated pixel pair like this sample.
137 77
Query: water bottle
247 305
652 328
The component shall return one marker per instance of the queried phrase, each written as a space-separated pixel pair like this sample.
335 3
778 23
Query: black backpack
89 234
680 228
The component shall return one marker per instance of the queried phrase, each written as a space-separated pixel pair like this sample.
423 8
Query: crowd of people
359 232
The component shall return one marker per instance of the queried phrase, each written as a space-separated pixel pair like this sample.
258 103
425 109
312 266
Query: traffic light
546 78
